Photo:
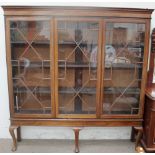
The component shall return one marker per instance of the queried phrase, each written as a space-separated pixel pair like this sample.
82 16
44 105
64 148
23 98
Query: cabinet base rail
138 131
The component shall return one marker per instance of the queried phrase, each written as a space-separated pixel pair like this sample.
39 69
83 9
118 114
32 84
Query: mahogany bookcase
76 66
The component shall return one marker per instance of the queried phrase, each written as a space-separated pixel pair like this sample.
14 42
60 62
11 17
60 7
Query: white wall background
56 132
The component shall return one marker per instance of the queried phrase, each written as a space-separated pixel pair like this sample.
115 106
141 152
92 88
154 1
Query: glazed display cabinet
76 66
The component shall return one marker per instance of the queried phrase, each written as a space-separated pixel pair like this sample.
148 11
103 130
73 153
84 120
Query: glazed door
77 60
31 73
123 89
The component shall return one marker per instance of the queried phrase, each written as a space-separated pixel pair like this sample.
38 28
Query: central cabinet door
77 59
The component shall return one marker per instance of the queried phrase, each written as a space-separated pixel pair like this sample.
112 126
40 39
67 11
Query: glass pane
77 66
124 51
30 58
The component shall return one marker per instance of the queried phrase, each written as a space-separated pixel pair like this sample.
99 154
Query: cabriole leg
76 132
138 148
19 134
133 134
12 133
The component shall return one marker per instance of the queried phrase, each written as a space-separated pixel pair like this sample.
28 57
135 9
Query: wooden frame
54 14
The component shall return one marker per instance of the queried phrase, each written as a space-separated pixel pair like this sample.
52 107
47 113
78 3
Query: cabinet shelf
110 90
36 111
74 43
118 112
34 64
81 112
123 66
131 45
107 90
77 65
63 90
42 90
44 42
86 90
40 42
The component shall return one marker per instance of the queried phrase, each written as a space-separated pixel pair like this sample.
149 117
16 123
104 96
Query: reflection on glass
77 62
123 67
30 52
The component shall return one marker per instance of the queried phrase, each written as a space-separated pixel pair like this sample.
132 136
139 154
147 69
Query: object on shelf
110 55
121 60
121 104
93 57
25 61
126 100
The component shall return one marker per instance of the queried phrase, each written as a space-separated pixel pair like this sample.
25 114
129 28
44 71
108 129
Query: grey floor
66 146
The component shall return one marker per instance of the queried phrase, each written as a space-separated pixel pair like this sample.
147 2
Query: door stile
55 65
9 68
52 67
99 70
145 67
102 66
